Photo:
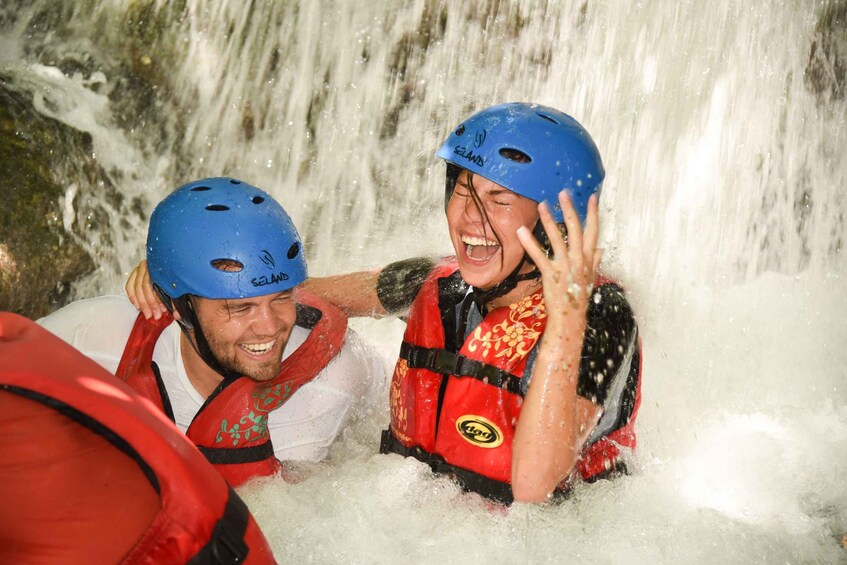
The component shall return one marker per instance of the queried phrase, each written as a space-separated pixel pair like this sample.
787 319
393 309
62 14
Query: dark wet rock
407 57
60 206
43 164
826 71
132 46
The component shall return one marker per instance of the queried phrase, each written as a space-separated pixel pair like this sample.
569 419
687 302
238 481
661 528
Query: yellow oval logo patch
479 431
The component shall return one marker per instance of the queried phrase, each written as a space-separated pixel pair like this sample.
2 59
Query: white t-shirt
302 429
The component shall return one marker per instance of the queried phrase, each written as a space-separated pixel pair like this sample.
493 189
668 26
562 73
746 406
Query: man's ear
176 307
167 302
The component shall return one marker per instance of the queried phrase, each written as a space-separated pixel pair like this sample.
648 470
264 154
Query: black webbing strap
448 363
225 456
468 480
163 392
227 545
474 482
85 420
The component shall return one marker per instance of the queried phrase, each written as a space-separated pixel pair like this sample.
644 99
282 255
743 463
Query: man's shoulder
93 309
93 324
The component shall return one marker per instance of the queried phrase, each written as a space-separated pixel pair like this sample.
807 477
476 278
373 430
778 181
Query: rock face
59 206
39 257
826 71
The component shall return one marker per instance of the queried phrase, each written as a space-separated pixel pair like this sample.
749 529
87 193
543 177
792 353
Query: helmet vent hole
228 265
294 250
515 155
200 188
548 118
234 181
257 200
217 208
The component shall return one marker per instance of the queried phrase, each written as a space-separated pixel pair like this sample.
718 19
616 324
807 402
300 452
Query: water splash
723 213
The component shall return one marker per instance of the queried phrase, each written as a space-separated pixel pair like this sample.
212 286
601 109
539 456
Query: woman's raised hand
555 421
140 292
568 275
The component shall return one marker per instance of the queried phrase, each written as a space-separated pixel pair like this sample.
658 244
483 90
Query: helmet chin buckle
510 282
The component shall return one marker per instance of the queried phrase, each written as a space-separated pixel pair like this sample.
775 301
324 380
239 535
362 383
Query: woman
477 393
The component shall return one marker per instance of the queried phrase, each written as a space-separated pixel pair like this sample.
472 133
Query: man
252 368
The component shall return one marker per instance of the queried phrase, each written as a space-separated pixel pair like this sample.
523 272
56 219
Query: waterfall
723 212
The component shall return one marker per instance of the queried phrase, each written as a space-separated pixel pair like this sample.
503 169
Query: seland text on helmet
535 151
222 238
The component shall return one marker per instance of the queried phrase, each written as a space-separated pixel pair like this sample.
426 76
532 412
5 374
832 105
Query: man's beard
230 362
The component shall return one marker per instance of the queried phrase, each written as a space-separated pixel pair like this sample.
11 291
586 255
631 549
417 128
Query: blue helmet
222 238
532 150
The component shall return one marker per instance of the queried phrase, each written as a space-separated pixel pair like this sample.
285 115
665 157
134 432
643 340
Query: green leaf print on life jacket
254 426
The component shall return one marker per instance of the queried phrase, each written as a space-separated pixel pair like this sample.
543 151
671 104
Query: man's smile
258 349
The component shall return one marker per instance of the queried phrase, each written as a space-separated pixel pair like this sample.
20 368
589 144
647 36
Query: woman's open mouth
479 248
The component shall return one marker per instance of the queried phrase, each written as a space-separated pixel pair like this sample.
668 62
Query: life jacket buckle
444 361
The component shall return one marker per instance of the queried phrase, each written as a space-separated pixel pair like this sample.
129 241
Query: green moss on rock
38 259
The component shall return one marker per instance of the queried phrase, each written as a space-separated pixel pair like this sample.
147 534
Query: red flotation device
90 472
457 410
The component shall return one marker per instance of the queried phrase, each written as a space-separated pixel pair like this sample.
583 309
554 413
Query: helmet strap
509 283
190 325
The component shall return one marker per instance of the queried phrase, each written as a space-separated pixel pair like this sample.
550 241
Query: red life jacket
77 442
458 412
231 428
